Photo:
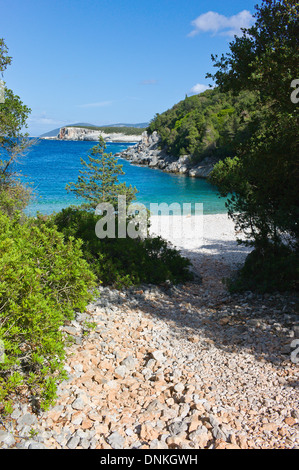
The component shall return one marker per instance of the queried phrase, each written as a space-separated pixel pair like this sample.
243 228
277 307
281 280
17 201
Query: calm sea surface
51 164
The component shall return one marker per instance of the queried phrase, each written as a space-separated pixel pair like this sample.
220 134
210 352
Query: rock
177 440
296 331
225 445
269 427
77 418
7 438
36 445
200 437
27 420
193 339
148 432
184 410
178 427
73 442
116 440
82 133
120 372
85 443
179 388
224 321
158 356
78 404
154 405
71 330
156 444
218 433
147 153
290 421
129 363
16 413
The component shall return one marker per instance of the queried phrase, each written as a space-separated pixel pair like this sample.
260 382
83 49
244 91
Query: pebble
6 438
185 367
116 440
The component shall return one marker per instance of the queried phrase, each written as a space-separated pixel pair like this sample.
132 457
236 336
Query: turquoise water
51 164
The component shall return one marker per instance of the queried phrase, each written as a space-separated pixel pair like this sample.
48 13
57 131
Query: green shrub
275 268
43 280
123 261
14 197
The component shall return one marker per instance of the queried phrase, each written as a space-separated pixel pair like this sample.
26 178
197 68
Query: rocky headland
82 133
147 153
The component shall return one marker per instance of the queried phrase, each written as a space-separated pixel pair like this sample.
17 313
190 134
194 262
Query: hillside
192 136
204 125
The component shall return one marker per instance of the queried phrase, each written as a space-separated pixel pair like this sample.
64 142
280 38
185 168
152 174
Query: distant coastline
119 135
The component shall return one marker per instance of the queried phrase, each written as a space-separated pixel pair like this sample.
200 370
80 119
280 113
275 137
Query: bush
14 197
275 268
123 261
43 280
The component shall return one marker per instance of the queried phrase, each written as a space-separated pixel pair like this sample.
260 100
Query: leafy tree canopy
13 143
211 123
262 180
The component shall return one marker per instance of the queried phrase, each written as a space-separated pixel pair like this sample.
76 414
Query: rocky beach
174 367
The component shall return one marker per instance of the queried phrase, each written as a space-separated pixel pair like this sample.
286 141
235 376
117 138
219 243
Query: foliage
5 60
262 180
13 144
122 261
265 58
13 116
14 197
271 268
99 183
44 279
208 124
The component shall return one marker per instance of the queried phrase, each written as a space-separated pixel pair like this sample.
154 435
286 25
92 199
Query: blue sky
110 61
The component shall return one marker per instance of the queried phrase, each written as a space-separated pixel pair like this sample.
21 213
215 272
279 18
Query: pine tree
98 182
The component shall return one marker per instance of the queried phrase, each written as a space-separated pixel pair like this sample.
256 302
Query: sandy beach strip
200 237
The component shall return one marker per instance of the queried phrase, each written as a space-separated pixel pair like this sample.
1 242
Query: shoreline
147 153
213 236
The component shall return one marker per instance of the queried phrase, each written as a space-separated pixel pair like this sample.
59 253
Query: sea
51 164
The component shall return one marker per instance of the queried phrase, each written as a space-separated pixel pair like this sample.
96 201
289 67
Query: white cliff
81 133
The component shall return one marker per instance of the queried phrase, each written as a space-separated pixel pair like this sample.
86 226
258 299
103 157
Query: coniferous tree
98 181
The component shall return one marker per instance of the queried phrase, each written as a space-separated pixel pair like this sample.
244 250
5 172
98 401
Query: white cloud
43 119
213 22
100 104
198 88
